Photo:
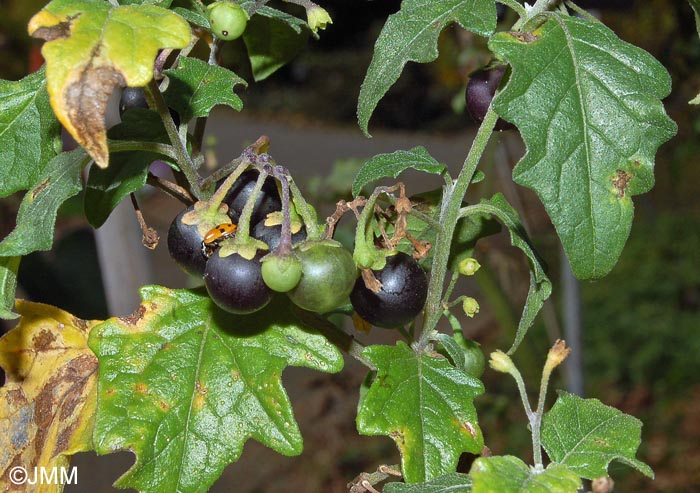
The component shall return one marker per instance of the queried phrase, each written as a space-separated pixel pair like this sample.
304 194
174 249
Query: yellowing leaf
48 403
93 47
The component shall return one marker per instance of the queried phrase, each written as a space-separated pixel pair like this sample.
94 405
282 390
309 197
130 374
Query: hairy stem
452 200
303 209
127 145
182 157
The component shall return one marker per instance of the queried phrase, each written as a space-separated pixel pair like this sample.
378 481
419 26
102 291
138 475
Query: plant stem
540 7
171 189
452 200
247 212
129 145
303 209
182 157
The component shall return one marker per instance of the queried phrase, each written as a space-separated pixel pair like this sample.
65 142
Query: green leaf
295 23
695 5
540 285
508 474
196 87
271 44
411 35
91 48
588 107
184 385
106 188
425 405
193 17
29 132
393 164
449 483
37 213
465 354
8 284
586 435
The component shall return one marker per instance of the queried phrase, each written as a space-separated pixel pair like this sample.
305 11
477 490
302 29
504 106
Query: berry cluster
242 273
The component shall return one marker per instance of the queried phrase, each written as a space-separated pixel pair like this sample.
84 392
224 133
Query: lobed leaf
393 164
449 483
585 435
93 47
37 213
47 405
588 106
196 87
8 285
540 285
425 405
508 474
184 385
29 132
411 35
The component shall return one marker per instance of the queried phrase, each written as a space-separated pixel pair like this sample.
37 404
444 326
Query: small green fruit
281 273
227 19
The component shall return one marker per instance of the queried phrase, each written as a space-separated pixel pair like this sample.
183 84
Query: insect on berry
215 236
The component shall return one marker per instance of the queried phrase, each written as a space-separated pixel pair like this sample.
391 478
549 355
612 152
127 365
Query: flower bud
556 355
317 18
470 307
500 361
469 266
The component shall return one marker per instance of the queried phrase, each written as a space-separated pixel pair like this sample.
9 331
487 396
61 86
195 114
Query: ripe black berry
135 97
480 91
268 200
185 245
236 284
401 297
271 235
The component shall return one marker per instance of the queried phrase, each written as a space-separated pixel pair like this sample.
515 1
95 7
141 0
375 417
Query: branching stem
452 200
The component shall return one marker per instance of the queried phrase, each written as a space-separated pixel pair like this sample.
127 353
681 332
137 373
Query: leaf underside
184 386
588 107
449 483
425 405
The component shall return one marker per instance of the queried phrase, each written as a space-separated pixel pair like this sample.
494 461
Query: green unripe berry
281 273
227 19
469 266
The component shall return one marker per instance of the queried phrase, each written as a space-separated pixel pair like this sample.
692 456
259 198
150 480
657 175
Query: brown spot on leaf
524 37
470 428
86 100
57 31
397 436
163 405
621 181
600 442
110 392
40 188
63 439
16 398
134 318
141 388
43 340
79 323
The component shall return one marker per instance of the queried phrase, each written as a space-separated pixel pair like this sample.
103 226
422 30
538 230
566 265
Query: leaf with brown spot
425 405
184 385
91 48
47 405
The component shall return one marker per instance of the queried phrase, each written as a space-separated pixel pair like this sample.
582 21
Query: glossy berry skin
236 284
271 235
227 19
328 275
132 97
401 298
135 97
185 245
268 200
480 91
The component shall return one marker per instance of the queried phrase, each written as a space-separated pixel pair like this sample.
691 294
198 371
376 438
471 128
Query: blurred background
639 335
